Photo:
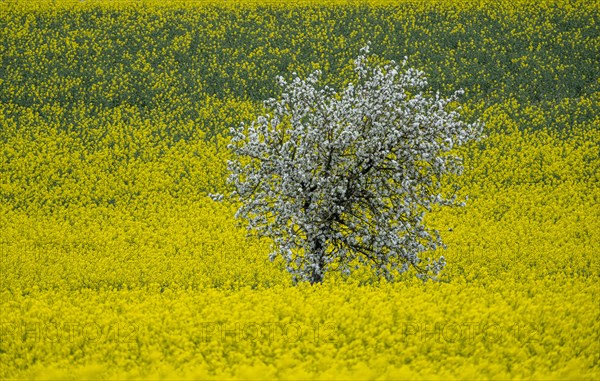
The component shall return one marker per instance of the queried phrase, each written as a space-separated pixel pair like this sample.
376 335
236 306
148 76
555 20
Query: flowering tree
340 181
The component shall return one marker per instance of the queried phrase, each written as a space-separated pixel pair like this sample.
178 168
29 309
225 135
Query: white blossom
340 180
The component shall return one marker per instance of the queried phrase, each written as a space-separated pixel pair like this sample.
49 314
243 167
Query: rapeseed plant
116 263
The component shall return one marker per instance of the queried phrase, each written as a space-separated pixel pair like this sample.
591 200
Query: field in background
115 263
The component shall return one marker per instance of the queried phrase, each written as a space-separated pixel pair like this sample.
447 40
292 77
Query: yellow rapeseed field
116 264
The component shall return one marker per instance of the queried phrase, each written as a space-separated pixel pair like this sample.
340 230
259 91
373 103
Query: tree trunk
318 261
